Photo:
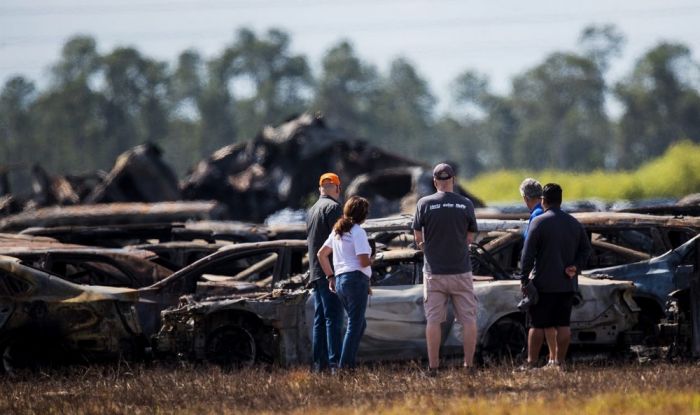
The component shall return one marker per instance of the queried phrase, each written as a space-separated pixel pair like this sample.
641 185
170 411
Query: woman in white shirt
351 261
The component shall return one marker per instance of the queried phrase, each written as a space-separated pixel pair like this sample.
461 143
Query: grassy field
620 389
675 174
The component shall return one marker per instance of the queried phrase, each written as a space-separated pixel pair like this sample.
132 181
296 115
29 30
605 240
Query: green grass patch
675 174
635 403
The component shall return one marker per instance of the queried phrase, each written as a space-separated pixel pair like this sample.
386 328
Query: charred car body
86 265
654 252
246 303
665 295
618 239
45 319
276 325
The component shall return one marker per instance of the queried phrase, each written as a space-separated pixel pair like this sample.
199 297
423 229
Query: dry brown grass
621 389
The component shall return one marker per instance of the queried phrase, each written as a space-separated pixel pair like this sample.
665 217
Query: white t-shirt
347 248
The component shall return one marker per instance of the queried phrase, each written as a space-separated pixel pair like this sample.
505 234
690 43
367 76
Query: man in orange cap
328 316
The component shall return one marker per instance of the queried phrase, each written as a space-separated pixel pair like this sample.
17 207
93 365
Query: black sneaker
470 370
432 372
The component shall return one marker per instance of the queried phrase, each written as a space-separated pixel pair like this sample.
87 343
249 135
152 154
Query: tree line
554 116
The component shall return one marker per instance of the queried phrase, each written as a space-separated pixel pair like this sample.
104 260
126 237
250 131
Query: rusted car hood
56 289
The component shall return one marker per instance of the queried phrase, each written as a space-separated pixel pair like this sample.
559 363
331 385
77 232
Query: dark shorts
552 310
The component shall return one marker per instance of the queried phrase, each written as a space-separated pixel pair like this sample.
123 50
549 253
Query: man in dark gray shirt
328 316
557 247
443 226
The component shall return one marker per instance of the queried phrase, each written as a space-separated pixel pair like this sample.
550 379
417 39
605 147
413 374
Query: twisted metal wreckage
246 303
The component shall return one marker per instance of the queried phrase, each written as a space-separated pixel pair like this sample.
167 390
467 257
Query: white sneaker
553 365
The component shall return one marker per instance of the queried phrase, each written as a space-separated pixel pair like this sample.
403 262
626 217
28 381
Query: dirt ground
198 389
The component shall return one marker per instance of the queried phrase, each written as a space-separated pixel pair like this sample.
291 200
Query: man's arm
417 226
473 228
527 262
584 249
418 239
332 216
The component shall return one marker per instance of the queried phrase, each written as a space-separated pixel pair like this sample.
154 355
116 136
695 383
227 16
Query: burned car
46 319
616 238
107 214
247 303
86 265
655 280
119 235
626 246
96 266
276 325
62 320
179 254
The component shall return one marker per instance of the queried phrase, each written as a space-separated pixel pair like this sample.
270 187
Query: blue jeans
352 288
328 323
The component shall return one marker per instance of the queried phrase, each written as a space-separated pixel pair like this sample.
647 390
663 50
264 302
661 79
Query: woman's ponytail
354 212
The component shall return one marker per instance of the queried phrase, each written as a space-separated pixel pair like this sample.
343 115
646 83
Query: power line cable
391 26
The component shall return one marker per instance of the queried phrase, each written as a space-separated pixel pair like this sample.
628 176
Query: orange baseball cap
329 176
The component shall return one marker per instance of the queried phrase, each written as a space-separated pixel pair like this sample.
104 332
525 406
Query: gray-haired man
531 191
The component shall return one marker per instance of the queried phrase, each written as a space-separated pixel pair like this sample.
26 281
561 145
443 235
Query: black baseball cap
443 171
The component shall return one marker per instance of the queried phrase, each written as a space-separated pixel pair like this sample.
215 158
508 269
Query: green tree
69 129
404 114
79 62
186 84
16 129
185 143
661 104
462 144
490 120
69 117
216 106
268 83
347 90
136 91
561 115
601 43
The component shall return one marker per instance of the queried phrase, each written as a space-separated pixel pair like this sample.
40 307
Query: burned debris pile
251 180
138 175
279 167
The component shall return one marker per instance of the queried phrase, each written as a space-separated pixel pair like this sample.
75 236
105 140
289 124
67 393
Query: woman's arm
323 259
365 260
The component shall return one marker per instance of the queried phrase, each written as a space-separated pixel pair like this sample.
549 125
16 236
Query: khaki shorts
437 289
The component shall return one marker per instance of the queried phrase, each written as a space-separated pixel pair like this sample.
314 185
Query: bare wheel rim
16 356
231 346
506 341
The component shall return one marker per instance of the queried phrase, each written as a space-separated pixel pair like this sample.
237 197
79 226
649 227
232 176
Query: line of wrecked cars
246 302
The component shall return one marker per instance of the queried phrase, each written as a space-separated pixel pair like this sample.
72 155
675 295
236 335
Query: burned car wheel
231 346
505 342
18 355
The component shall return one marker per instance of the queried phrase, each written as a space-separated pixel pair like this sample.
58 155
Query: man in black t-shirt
443 226
328 311
556 247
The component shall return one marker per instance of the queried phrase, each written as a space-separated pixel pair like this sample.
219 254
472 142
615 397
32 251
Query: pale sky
441 38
